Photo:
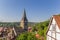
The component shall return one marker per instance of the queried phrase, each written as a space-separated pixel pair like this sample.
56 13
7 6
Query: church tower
24 22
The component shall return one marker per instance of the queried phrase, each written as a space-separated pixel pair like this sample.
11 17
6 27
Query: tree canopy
40 28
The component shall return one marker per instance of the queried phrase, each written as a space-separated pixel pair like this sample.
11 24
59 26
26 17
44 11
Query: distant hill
16 24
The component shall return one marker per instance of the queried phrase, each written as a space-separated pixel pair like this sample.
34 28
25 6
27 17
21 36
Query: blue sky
36 10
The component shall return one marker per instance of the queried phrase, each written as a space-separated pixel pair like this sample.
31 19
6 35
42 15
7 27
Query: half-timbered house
53 32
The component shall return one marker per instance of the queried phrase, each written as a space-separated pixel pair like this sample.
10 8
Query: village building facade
53 32
9 33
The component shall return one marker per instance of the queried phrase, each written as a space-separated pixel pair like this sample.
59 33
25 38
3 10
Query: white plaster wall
53 35
57 28
53 39
49 38
49 33
50 27
57 36
53 21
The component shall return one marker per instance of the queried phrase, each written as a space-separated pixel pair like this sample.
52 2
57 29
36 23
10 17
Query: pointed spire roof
24 15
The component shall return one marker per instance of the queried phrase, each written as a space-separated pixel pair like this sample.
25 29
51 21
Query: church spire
24 14
24 21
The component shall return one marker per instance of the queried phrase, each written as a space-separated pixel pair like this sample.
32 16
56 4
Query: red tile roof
57 19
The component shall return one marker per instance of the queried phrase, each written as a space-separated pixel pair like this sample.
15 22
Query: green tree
26 36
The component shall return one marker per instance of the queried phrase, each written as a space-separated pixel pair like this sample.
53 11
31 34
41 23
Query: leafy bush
26 36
